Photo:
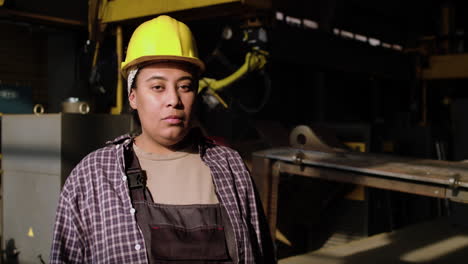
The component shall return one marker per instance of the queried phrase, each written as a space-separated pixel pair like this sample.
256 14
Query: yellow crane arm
254 60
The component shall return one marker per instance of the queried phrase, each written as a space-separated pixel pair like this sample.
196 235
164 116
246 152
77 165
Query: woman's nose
172 98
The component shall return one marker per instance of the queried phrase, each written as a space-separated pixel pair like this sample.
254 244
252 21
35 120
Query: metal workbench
440 179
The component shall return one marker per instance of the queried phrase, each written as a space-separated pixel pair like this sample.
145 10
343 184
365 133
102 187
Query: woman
167 195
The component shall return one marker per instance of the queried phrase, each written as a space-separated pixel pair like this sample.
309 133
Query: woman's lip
173 119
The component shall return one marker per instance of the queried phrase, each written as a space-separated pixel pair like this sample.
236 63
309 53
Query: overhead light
397 47
374 42
279 16
360 37
386 45
293 20
346 34
310 24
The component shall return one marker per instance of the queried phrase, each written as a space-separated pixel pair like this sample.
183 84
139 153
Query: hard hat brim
146 60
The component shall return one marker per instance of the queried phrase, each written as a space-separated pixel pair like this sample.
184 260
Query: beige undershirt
177 178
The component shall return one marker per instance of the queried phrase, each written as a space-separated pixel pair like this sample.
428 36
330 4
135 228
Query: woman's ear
132 98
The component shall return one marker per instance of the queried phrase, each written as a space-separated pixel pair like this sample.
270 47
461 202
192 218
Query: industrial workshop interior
350 115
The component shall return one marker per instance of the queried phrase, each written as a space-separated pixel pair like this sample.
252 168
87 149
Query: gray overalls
182 234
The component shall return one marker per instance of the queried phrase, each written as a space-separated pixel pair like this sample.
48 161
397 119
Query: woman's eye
157 87
186 87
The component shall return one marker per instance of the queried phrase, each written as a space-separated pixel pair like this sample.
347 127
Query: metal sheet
421 170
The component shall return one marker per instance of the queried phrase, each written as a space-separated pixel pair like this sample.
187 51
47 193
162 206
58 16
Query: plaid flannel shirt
95 222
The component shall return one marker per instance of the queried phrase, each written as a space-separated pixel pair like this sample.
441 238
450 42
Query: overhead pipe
117 109
447 26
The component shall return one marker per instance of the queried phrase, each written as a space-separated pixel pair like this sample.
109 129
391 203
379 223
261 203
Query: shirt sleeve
268 245
67 241
264 249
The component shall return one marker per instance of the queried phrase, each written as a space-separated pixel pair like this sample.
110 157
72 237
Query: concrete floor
437 242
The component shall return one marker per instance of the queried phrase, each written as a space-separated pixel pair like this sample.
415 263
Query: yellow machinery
121 10
254 60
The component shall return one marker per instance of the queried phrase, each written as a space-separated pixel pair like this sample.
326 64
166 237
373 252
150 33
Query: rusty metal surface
365 180
451 174
446 67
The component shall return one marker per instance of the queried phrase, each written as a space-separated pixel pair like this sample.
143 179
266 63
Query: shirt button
124 178
132 211
137 247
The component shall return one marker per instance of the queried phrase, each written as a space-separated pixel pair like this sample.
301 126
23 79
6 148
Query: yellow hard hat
161 39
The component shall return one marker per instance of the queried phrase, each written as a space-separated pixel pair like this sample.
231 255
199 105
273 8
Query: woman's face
164 97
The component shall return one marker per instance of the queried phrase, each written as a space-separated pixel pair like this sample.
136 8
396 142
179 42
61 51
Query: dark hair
134 112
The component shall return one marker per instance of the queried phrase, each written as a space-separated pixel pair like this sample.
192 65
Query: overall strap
135 175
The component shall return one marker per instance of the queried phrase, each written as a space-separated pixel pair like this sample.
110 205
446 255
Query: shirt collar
120 139
203 142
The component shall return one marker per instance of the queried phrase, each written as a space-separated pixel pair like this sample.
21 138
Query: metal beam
45 18
119 10
447 67
365 180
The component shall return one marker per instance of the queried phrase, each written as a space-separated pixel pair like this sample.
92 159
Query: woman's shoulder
100 163
223 154
218 148
106 155
98 158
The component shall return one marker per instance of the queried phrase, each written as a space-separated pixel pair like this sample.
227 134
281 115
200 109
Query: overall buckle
136 179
